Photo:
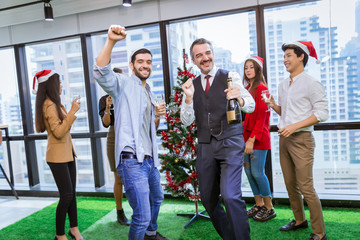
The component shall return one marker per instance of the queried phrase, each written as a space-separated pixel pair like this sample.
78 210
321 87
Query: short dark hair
297 50
139 51
198 42
117 70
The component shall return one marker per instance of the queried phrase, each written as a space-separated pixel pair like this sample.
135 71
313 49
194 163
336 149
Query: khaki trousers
296 160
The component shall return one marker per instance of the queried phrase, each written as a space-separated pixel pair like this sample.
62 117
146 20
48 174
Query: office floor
13 210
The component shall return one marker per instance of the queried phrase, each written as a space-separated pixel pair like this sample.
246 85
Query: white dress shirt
300 100
187 114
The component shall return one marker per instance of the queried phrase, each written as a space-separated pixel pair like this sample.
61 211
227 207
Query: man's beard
139 75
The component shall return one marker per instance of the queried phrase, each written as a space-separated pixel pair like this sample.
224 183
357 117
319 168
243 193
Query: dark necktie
207 83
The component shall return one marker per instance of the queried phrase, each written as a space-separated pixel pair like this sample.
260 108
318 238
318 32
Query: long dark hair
259 76
50 89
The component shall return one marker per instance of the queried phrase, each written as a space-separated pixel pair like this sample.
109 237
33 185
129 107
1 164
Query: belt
128 155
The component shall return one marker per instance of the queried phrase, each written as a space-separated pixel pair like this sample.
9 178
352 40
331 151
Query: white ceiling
10 3
35 12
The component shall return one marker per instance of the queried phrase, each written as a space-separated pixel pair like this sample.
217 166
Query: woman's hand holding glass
109 105
75 105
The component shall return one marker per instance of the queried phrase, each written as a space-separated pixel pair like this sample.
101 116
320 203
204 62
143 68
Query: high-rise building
223 60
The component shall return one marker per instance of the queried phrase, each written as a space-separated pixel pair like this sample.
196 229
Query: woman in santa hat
257 141
50 115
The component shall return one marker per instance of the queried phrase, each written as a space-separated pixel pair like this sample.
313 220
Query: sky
228 32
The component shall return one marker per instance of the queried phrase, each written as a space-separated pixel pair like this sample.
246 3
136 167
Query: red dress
257 123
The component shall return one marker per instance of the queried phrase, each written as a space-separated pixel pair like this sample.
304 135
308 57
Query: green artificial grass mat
97 221
41 225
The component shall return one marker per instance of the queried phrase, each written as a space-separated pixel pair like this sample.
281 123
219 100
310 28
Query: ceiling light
48 11
127 3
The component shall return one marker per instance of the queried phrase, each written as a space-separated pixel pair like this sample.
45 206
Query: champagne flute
159 99
266 96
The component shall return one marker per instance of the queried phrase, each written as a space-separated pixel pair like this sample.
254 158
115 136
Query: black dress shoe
72 236
121 218
157 236
316 237
291 226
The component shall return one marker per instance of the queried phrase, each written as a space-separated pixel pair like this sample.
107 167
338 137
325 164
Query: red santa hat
41 77
257 59
307 47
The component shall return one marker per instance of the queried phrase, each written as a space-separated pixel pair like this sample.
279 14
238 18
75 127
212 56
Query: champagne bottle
233 111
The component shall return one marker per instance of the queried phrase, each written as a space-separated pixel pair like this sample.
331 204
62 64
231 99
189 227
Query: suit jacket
60 148
257 123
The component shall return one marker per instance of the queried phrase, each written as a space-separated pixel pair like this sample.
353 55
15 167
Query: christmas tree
181 141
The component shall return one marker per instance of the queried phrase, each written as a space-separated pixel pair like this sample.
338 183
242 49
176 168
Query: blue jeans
144 193
259 182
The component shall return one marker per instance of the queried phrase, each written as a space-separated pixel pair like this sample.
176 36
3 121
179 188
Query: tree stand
195 216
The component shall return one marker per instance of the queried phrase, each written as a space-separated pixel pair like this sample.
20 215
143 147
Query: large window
10 114
337 162
65 58
233 38
332 25
146 37
83 163
18 158
336 165
46 178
